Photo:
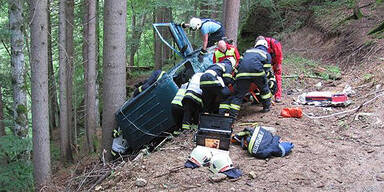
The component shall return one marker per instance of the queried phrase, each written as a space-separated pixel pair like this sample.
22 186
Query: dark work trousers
177 113
215 37
191 111
241 89
212 97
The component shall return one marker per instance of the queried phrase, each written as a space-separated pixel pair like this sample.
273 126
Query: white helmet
220 163
262 42
200 156
195 23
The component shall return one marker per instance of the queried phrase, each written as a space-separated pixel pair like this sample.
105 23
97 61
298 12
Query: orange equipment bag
292 112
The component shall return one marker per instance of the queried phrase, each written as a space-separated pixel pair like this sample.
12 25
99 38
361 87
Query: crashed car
148 115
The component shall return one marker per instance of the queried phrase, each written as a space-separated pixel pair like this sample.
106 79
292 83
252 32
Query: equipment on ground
214 131
220 163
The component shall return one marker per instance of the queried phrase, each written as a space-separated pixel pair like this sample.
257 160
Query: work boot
265 110
266 107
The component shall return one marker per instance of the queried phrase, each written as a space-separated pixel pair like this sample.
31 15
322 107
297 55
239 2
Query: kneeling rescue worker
250 70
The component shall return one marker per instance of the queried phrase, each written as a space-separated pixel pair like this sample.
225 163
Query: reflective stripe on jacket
180 95
252 64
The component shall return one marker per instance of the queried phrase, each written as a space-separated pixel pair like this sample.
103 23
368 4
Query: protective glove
285 147
202 54
184 25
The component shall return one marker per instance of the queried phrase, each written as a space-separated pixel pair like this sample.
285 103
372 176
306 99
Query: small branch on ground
173 170
303 76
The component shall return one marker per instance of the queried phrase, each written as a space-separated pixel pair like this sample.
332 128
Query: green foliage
332 72
17 174
368 77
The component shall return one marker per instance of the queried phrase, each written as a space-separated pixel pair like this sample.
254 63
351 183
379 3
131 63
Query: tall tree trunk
16 24
114 75
51 78
157 42
232 19
166 18
91 77
39 85
224 11
69 49
2 128
65 147
85 59
99 57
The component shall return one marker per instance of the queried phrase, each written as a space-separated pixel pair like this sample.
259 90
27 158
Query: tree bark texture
85 58
69 5
39 87
157 44
224 11
65 147
2 128
53 110
91 77
114 64
232 19
162 52
16 23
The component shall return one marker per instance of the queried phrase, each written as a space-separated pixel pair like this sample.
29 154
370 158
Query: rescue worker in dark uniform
155 76
250 70
192 102
214 84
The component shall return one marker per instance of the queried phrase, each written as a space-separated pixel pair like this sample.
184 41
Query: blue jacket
252 64
263 144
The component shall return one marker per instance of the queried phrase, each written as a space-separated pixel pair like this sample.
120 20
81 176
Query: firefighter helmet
200 156
220 163
195 23
262 42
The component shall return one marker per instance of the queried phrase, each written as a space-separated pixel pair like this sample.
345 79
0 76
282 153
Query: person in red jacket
225 50
275 49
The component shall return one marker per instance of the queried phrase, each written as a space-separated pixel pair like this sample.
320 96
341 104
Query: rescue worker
275 49
212 31
250 70
192 102
225 50
177 106
155 76
214 84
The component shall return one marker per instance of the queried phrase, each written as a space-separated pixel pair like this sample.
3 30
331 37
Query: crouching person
177 106
214 83
251 70
192 102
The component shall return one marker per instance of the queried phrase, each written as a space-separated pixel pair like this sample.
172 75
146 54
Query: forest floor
337 153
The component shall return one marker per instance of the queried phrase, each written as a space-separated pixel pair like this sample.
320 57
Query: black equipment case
214 131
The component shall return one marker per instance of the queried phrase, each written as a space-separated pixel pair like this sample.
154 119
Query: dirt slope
338 153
